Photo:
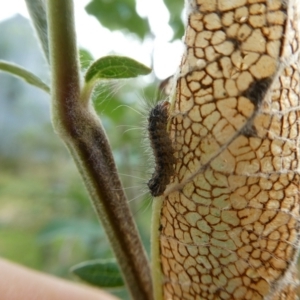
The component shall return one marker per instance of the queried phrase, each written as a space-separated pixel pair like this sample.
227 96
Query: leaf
22 73
119 15
37 11
175 8
101 273
112 67
86 58
62 228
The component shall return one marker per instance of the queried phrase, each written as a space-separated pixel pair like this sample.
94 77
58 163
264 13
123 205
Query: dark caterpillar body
163 151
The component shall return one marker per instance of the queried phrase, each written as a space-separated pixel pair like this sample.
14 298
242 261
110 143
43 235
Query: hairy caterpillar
161 145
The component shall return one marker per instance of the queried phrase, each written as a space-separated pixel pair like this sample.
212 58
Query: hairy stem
81 130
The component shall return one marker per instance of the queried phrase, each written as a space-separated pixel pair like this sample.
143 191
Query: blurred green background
46 219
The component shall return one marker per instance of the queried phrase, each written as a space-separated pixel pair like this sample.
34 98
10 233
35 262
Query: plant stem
81 130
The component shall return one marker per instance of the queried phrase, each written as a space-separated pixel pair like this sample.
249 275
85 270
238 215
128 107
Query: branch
81 130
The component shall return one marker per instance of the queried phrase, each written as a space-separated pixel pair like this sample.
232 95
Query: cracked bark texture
229 226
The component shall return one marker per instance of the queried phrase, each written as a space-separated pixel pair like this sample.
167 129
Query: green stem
81 130
86 92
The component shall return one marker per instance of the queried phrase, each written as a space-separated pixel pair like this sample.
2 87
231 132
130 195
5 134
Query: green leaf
37 11
119 15
175 8
112 67
72 228
21 73
86 58
101 273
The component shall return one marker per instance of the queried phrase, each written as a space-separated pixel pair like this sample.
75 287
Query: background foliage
46 220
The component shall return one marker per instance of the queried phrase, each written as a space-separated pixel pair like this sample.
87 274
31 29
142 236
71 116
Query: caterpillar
161 145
